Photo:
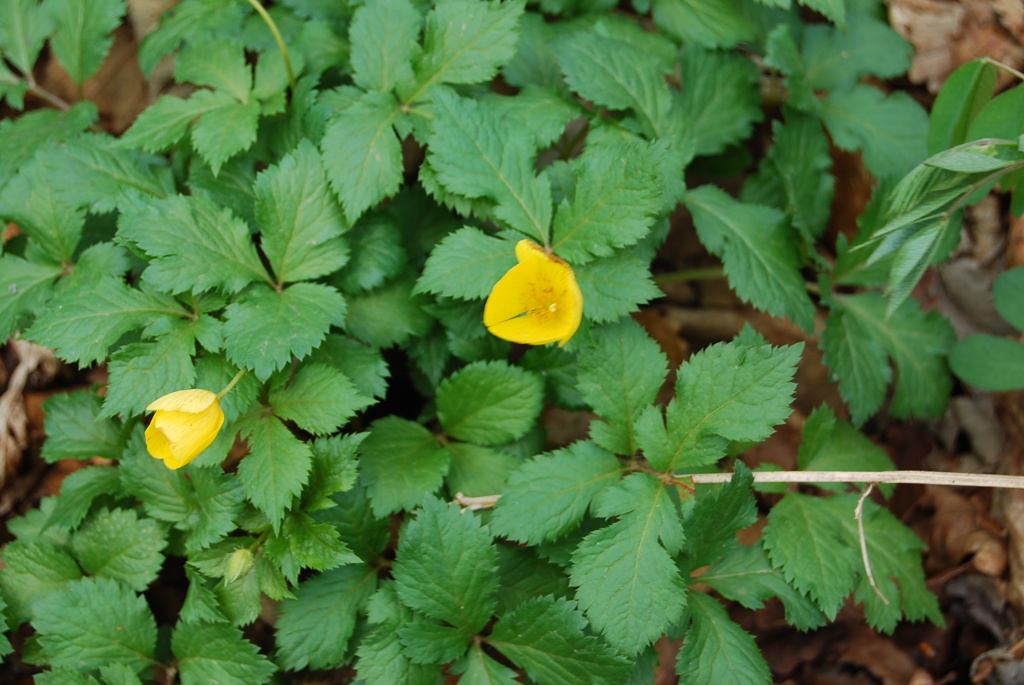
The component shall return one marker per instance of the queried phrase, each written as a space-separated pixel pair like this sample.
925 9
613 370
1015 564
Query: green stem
707 273
234 381
1004 67
277 36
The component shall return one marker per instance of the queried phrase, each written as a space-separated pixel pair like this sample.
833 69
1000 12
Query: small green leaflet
378 254
117 544
478 259
759 252
141 372
217 653
160 126
318 399
544 636
720 24
405 318
24 286
831 444
40 209
315 626
34 571
425 642
720 102
618 378
225 128
82 38
74 429
219 64
489 403
543 111
79 490
382 660
383 37
837 57
716 650
73 633
480 669
446 567
23 137
712 522
548 495
615 286
24 27
401 464
276 467
315 545
476 153
253 327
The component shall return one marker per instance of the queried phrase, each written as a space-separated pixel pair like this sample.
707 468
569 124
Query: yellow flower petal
538 301
185 423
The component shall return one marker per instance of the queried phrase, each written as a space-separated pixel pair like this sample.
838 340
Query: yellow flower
185 423
537 301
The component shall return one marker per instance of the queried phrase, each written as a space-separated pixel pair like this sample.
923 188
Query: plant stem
1004 67
977 480
45 95
706 273
277 36
234 381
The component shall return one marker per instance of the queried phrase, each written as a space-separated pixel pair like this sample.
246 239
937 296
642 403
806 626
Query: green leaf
719 24
161 125
446 567
534 63
716 650
79 490
965 92
489 403
82 39
478 470
362 154
34 571
119 674
405 317
384 38
617 75
45 216
782 53
217 653
22 138
24 26
860 363
401 464
315 545
830 444
837 57
65 675
74 429
219 64
429 643
618 196
916 341
760 255
13 89
334 470
117 544
252 328
548 495
83 326
476 153
737 391
315 626
615 286
184 235
382 660
989 362
24 286
466 264
378 254
746 576
477 668
541 110
359 528
300 221
544 636
225 129
720 102
890 130
142 372
618 378
712 523
627 582
1000 118
363 364
73 633
276 468
465 42
318 399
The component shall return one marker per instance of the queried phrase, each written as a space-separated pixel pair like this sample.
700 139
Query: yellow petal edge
184 424
537 301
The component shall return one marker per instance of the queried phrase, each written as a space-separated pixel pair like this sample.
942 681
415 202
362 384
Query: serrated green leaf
384 38
74 429
161 125
378 254
618 378
83 326
617 75
541 110
759 252
547 496
318 399
184 235
477 470
405 317
252 327
24 26
859 362
534 62
119 674
381 657
276 468
736 391
65 675
464 42
446 567
466 264
315 626
142 372
334 470
24 286
33 201
746 576
22 138
544 636
359 528
615 286
618 196
300 221
430 643
489 403
219 64
363 364
73 633
782 53
216 653
401 464
34 571
716 650
117 544
712 523
475 153
714 25
830 444
79 490
82 38
477 668
315 545
720 102
224 130
627 583
837 57
890 130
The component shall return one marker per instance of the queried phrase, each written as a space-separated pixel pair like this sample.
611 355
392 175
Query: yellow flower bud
185 423
240 563
537 301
